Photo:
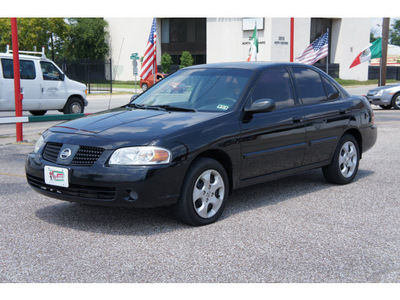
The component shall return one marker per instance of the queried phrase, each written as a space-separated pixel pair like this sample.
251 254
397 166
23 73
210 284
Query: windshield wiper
161 107
134 105
172 108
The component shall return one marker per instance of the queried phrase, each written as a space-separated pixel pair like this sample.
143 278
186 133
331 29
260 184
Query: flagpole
327 57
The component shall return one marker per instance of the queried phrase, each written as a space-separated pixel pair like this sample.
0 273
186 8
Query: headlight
38 144
148 155
379 93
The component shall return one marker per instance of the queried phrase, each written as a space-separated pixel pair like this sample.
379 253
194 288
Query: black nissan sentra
206 130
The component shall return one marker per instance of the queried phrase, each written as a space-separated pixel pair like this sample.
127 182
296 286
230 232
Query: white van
43 85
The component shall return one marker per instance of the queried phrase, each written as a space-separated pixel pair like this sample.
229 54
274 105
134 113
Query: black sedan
232 125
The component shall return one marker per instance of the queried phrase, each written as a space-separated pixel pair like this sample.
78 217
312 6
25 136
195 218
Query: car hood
133 126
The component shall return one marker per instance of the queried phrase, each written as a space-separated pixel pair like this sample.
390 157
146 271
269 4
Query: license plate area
56 176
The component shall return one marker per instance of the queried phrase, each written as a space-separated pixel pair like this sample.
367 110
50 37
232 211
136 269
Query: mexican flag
254 46
374 50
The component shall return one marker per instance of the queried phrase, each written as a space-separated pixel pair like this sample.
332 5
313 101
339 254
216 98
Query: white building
211 40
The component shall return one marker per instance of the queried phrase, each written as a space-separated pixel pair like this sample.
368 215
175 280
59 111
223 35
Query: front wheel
396 101
204 193
74 106
344 165
144 87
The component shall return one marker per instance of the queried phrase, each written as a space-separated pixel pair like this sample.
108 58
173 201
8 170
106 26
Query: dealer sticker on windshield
56 176
224 107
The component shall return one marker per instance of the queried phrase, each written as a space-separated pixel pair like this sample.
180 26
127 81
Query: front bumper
110 185
379 100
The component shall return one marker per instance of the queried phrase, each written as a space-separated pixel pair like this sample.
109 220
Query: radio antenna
116 69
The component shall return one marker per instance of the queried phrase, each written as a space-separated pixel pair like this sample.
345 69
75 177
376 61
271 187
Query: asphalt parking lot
297 229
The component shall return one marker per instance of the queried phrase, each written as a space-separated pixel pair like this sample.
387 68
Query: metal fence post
111 83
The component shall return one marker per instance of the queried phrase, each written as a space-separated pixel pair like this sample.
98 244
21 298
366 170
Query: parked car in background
43 85
386 97
145 84
233 125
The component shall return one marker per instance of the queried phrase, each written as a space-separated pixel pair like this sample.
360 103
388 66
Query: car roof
256 65
23 56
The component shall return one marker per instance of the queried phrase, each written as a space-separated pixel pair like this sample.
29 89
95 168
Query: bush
166 62
186 60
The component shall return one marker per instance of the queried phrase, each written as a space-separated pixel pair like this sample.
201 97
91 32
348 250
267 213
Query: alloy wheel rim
397 101
348 159
208 193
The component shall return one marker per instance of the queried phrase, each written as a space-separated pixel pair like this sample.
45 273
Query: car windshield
211 90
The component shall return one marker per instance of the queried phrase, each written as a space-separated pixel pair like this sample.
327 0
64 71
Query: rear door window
27 69
332 92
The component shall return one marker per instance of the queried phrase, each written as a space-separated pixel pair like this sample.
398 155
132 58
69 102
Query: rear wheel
204 193
396 101
344 165
74 106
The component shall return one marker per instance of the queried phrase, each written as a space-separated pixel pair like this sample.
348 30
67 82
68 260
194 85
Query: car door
272 141
326 113
53 87
29 81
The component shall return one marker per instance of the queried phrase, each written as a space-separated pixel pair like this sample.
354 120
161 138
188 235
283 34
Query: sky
376 25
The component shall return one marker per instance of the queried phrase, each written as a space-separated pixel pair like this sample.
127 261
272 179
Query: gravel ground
298 229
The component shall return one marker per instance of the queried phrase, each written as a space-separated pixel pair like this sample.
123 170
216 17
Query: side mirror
62 76
260 105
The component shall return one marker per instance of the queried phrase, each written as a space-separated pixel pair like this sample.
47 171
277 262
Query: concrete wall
228 42
127 36
349 37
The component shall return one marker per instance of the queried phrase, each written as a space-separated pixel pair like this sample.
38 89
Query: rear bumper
369 137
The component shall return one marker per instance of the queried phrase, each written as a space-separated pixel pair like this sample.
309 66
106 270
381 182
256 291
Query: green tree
186 60
166 62
88 39
36 33
395 33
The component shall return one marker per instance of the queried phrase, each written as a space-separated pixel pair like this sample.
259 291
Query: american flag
315 51
149 64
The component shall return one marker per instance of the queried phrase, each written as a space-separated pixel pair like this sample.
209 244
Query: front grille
74 190
87 156
51 151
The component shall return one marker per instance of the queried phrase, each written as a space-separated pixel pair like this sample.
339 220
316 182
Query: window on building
184 34
318 27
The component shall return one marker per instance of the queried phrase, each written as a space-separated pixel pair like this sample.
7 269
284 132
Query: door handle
297 120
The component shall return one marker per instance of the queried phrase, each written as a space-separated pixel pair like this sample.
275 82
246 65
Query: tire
396 101
144 87
386 106
344 165
74 106
204 193
38 112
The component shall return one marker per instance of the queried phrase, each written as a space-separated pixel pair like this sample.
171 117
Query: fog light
132 196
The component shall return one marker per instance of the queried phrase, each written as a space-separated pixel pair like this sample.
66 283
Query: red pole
17 82
291 39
